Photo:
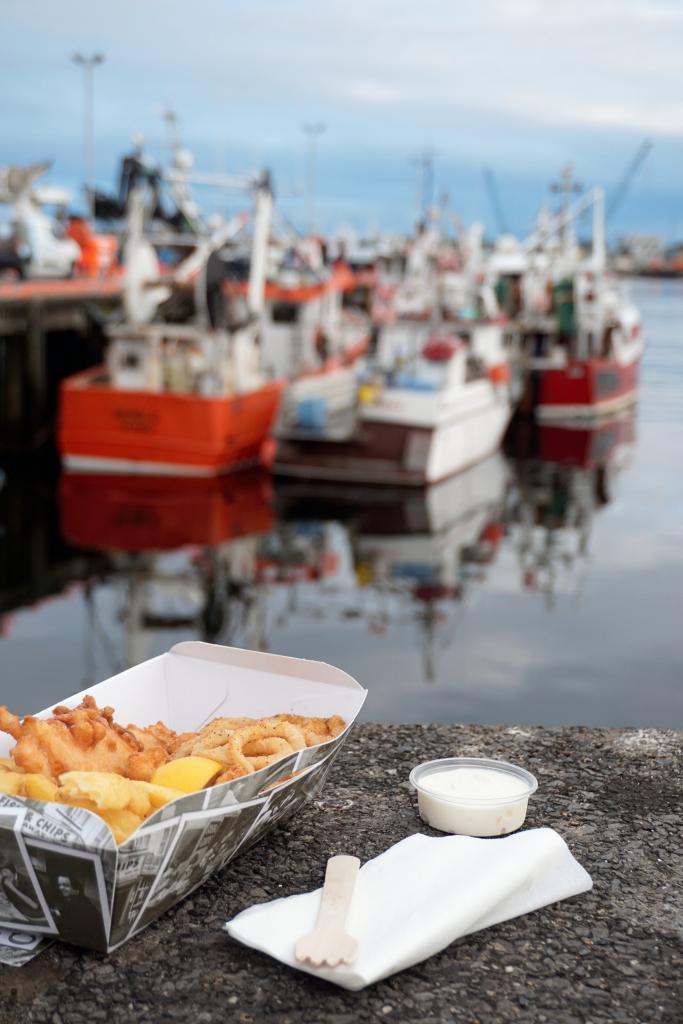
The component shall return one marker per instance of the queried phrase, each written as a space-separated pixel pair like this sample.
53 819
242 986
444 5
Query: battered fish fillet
86 738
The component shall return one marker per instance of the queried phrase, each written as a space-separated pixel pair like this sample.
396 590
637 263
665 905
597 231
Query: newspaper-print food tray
61 873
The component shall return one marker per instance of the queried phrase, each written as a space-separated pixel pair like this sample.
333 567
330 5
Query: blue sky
518 85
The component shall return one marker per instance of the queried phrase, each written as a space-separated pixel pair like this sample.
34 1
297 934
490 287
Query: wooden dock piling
48 330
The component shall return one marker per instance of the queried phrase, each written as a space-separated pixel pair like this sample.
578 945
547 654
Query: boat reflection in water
186 549
37 564
138 513
208 557
415 554
302 566
565 473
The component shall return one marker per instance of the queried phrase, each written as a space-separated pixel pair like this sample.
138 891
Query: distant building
641 250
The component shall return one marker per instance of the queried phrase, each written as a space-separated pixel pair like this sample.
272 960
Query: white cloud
368 91
596 63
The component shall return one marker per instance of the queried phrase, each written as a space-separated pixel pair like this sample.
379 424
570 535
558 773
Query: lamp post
424 162
313 131
88 64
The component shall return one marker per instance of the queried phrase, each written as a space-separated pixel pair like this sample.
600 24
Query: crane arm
628 176
494 196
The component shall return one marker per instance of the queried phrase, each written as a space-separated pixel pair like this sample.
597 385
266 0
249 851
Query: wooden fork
329 943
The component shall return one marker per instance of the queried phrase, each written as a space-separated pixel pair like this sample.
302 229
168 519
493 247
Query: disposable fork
329 943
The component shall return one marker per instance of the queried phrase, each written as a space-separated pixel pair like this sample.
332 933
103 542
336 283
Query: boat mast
566 187
599 245
259 246
559 225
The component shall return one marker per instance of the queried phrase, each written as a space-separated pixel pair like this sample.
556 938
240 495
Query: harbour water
543 586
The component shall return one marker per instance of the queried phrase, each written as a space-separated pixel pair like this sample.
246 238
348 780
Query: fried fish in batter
86 738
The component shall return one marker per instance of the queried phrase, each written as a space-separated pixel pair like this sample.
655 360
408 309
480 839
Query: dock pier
611 955
48 330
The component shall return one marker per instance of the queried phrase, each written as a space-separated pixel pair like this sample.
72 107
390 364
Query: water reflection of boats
595 444
394 510
565 473
36 562
573 444
414 554
136 513
183 554
210 558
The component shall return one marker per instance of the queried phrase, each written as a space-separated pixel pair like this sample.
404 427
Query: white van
32 242
47 249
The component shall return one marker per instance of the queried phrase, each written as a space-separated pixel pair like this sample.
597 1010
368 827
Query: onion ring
265 729
316 730
268 746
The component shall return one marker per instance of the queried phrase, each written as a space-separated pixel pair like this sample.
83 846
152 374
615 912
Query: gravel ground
612 955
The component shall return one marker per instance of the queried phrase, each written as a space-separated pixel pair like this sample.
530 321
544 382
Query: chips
39 787
14 782
122 823
123 803
10 783
223 750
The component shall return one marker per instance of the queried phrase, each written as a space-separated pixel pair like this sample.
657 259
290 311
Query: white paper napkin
421 895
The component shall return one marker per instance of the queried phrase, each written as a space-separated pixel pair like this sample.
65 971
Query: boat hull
585 389
398 454
396 511
103 429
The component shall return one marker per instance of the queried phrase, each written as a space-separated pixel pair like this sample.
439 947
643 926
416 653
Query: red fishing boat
597 364
579 334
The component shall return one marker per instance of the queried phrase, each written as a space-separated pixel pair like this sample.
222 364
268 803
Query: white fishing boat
304 327
418 417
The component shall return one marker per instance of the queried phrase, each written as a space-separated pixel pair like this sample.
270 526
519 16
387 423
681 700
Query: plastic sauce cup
472 796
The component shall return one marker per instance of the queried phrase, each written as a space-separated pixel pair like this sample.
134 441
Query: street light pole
88 64
313 131
425 183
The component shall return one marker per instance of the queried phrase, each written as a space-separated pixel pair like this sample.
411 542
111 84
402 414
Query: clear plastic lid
420 774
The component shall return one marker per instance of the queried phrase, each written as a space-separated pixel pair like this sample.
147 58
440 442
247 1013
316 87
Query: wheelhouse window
285 313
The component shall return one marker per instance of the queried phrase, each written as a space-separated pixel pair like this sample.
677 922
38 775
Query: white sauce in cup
472 796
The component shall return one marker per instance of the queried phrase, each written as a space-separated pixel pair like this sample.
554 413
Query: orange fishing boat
105 428
200 399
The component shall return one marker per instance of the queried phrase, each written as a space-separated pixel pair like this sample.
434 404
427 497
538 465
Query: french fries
11 783
39 787
122 822
123 803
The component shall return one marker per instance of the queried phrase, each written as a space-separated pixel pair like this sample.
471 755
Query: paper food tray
61 873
